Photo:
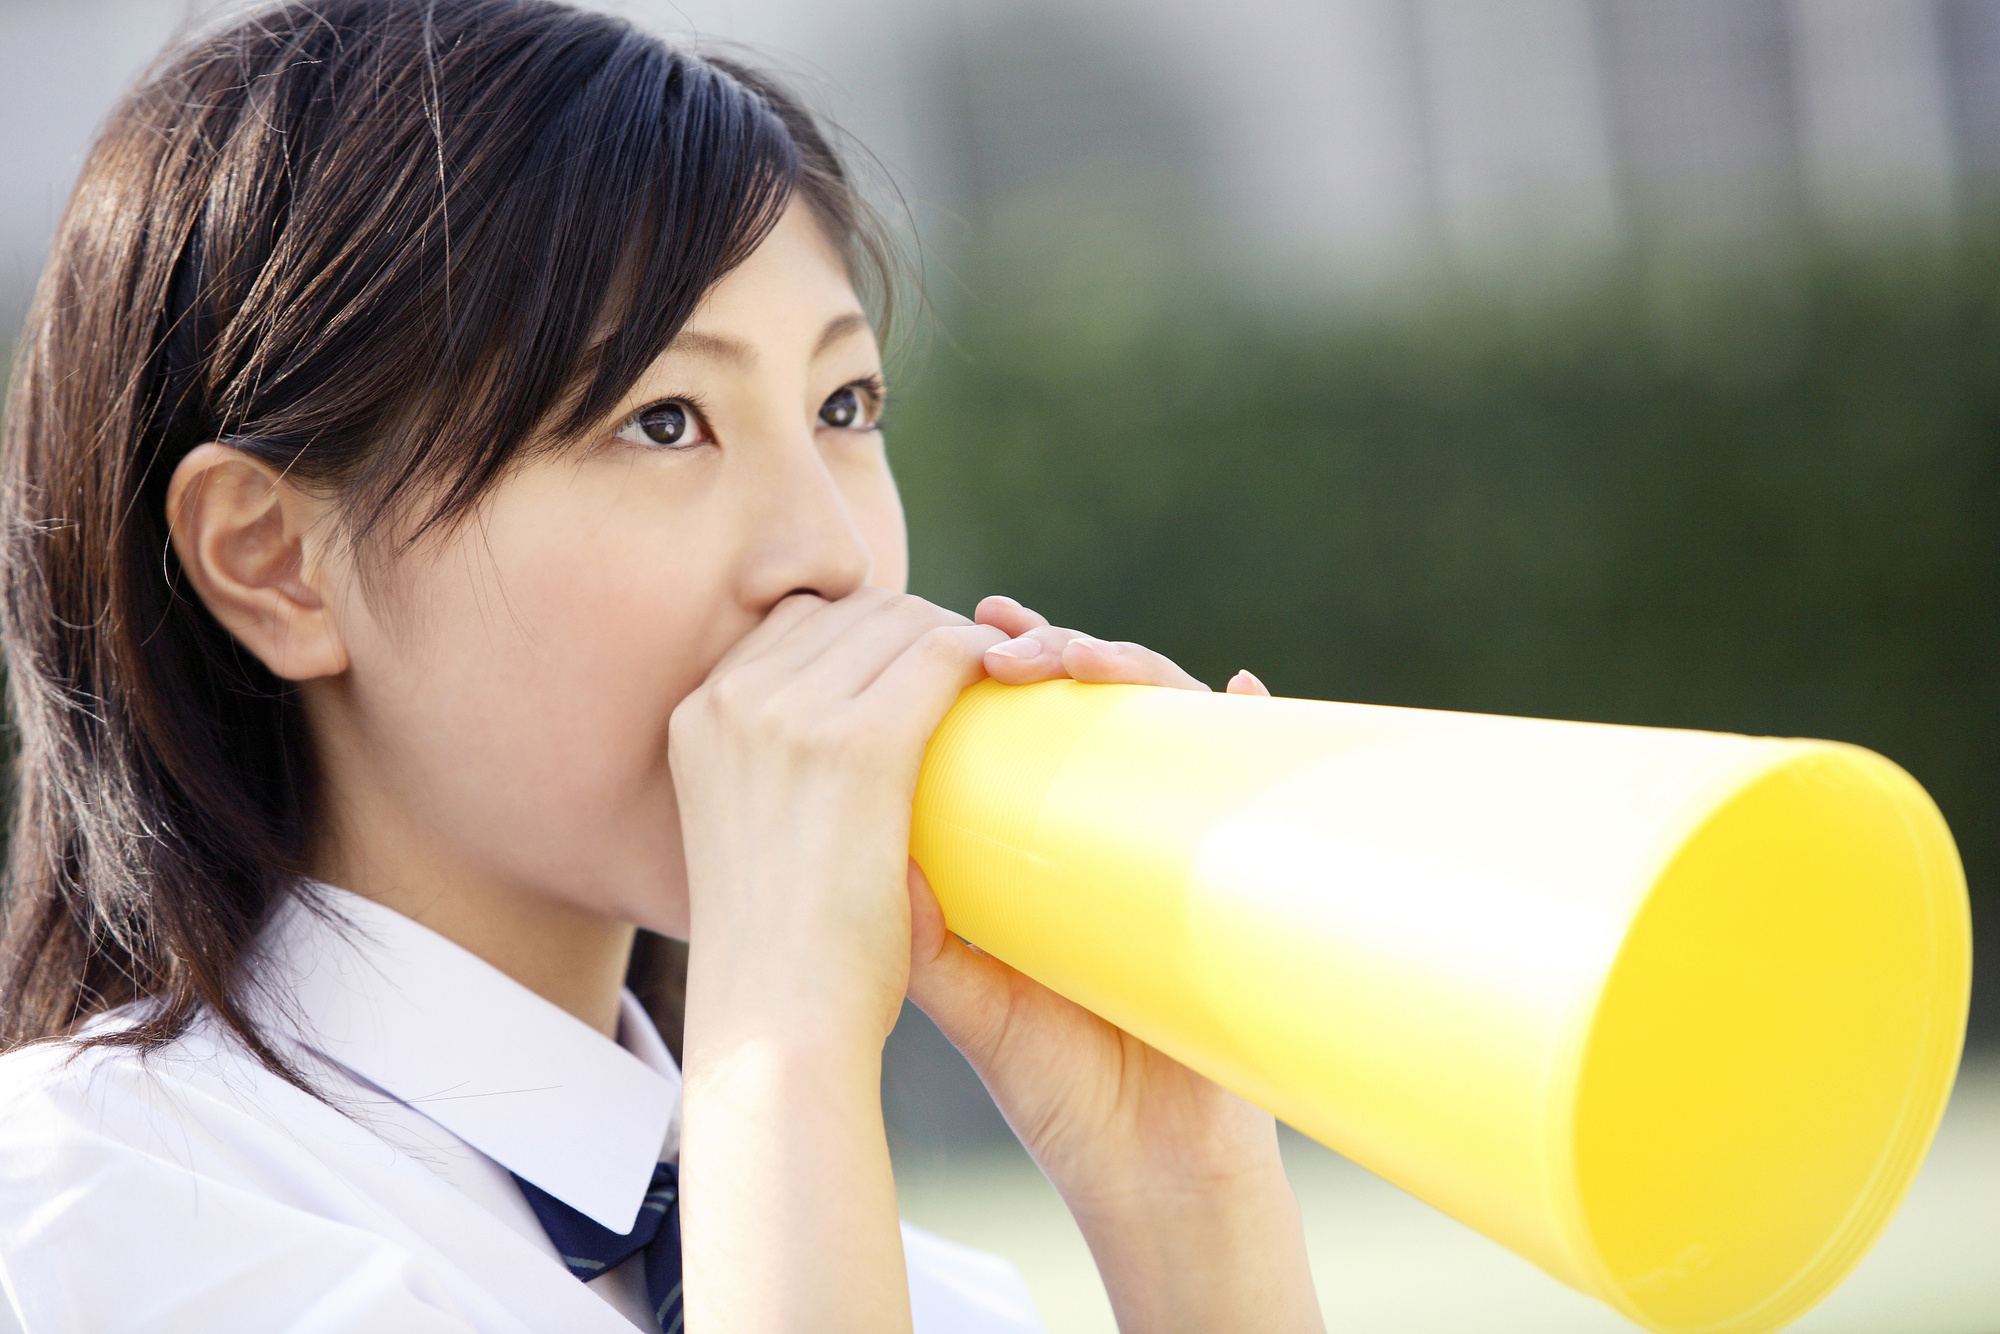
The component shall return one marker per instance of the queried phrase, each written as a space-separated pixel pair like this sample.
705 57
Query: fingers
1032 655
866 616
778 624
1243 683
1038 651
920 684
830 651
1100 661
964 991
850 662
1033 651
1003 613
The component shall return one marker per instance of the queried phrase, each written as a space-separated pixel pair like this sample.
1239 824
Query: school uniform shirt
192 1189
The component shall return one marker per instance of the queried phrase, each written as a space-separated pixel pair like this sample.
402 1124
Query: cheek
877 510
522 707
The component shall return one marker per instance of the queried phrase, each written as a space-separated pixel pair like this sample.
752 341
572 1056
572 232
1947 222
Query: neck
568 955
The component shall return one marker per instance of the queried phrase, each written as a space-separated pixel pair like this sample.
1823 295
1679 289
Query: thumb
965 991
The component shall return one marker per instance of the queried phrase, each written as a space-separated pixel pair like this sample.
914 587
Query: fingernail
1098 644
1022 648
1245 674
1000 597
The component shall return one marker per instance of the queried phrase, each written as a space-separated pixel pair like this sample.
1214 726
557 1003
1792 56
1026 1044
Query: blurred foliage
1767 503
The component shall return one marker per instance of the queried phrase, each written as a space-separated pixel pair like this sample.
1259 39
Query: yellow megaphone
1672 1014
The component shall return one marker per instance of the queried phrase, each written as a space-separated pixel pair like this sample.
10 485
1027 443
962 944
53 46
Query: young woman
447 529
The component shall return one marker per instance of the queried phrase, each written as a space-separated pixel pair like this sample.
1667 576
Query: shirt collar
521 1080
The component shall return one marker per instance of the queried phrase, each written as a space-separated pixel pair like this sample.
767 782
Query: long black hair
384 246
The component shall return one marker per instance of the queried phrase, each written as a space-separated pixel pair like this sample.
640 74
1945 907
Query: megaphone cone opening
1773 1047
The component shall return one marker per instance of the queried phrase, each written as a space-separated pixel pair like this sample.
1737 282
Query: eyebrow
713 347
840 327
716 347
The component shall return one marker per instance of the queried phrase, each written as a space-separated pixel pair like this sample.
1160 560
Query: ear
242 534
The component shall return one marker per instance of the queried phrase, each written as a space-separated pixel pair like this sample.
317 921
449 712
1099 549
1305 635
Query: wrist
784 946
805 1000
840 1080
1203 1254
787 1200
1137 1211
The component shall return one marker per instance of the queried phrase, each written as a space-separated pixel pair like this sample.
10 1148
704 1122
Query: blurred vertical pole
66 64
1703 126
1521 152
1875 139
1317 131
1969 47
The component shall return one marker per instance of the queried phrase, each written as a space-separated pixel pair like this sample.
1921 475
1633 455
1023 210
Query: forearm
788 1204
1224 1258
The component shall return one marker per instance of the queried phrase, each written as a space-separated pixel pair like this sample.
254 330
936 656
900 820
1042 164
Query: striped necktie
590 1249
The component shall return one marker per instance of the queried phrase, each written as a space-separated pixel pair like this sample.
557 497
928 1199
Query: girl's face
502 719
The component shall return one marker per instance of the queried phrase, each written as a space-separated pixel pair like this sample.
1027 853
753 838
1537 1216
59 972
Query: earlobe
242 533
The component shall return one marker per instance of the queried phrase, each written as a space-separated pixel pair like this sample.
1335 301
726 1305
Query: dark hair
383 246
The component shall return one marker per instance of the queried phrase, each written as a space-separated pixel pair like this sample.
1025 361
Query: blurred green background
1763 498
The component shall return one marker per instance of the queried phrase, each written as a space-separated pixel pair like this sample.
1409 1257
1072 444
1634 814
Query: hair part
383 246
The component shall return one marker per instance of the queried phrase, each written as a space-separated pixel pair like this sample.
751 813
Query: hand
1175 1181
795 765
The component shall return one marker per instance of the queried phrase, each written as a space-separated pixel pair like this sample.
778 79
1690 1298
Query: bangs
661 175
496 216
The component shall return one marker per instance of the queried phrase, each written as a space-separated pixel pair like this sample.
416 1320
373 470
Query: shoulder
198 1111
60 1095
224 1181
954 1287
154 1131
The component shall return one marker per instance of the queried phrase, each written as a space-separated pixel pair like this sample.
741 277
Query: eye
674 424
853 407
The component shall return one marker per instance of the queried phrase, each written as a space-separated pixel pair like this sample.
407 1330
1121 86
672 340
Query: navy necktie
589 1248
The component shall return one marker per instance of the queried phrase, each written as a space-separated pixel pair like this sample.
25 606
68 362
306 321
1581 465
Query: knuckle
693 706
815 741
775 716
947 647
725 695
918 612
798 722
913 609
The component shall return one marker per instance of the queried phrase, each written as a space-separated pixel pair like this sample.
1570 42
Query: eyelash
874 394
870 387
695 408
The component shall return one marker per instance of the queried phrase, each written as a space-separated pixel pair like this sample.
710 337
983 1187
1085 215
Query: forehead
791 286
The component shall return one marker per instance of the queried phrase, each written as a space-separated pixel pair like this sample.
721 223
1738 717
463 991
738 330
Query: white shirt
194 1190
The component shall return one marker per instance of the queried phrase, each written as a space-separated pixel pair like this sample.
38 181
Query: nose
803 537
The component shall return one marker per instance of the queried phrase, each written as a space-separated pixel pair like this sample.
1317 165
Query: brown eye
856 406
665 424
671 425
843 408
